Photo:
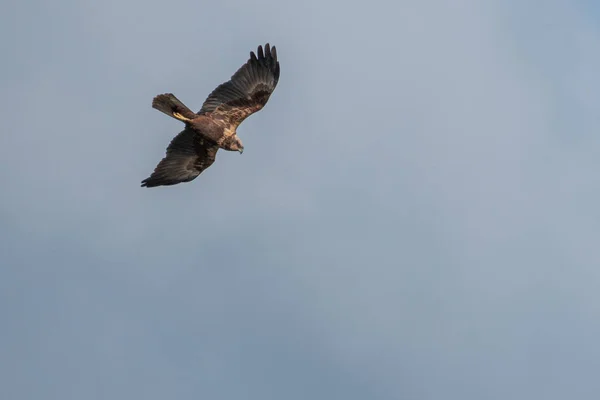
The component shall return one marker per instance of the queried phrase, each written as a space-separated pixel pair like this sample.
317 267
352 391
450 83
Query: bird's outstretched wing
247 91
188 155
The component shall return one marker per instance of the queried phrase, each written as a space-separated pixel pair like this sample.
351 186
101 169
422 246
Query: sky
415 215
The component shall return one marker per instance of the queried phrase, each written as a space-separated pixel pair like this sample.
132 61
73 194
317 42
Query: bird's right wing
188 155
247 91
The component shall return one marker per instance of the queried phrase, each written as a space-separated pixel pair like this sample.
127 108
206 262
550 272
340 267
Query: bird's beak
241 150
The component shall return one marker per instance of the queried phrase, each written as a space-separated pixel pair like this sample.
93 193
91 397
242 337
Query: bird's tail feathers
171 105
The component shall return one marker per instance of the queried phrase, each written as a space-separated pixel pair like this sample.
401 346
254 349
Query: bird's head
237 145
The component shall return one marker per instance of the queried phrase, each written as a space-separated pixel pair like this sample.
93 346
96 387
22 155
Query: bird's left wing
247 91
188 155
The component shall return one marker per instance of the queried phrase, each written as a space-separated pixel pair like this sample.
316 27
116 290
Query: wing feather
247 91
187 156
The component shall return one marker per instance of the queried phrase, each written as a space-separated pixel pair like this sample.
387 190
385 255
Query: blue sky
415 215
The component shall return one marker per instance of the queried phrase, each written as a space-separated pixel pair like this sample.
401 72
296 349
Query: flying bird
214 127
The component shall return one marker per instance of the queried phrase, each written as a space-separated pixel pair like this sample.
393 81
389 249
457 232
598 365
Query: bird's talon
181 117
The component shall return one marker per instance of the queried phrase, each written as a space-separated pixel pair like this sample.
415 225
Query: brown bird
214 127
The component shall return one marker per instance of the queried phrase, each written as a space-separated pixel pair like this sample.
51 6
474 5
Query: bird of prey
214 127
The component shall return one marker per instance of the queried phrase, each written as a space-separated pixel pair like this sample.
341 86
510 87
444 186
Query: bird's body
214 127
